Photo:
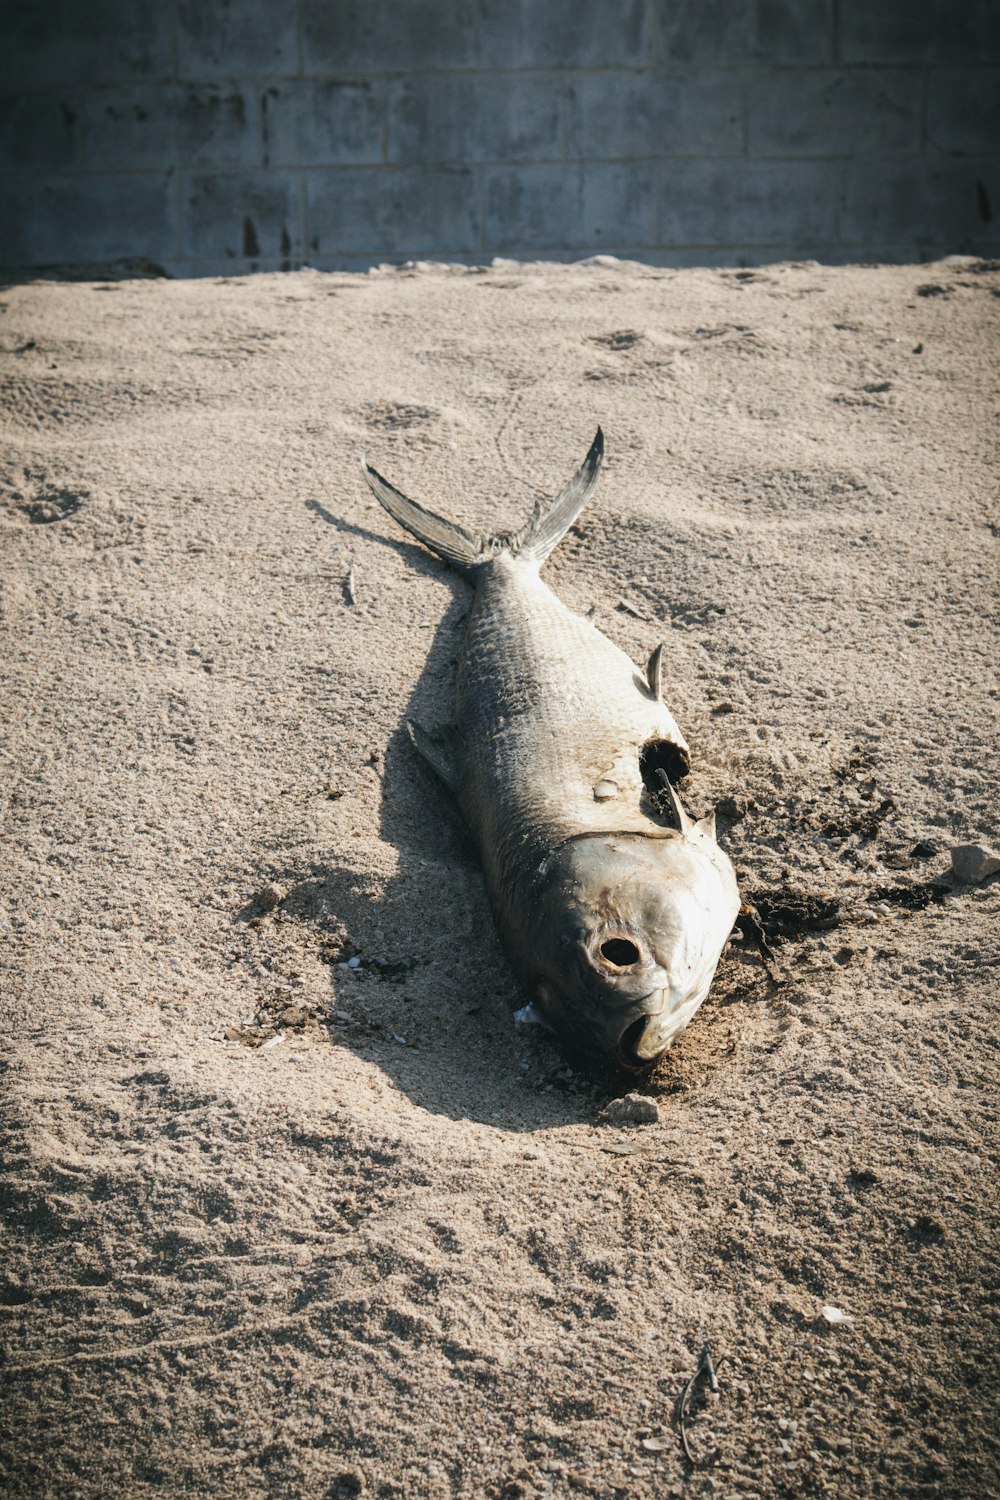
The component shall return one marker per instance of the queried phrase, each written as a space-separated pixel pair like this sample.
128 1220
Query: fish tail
551 521
467 551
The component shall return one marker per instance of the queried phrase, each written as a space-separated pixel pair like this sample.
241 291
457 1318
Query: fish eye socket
620 952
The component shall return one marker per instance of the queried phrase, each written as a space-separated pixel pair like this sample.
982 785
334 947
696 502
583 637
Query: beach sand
278 1226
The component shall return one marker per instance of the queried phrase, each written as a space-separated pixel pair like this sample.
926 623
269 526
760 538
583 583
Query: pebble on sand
971 863
269 896
633 1109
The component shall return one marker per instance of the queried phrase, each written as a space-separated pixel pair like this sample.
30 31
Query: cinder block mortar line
655 40
900 159
178 211
304 215
349 75
479 189
174 50
383 105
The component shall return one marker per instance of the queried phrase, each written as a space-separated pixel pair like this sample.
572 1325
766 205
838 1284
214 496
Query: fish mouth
642 1041
648 1035
633 1043
630 1050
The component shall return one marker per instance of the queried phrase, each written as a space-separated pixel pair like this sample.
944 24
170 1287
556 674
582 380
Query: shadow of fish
612 904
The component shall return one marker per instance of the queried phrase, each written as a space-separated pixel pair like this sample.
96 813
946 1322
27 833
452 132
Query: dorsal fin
467 551
654 673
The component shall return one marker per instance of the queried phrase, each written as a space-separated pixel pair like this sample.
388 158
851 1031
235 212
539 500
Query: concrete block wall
239 135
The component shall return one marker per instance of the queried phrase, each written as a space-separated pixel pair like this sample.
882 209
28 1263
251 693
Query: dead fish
612 904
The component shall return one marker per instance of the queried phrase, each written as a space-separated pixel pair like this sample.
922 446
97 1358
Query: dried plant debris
787 913
704 1373
910 897
279 1016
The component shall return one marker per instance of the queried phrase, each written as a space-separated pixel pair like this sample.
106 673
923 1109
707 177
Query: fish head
627 932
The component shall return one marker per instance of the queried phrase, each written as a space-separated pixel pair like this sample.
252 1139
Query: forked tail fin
467 551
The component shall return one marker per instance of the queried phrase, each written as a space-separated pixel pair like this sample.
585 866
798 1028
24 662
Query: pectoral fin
683 821
707 824
440 751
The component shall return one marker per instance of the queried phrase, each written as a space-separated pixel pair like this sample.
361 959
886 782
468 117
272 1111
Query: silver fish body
612 905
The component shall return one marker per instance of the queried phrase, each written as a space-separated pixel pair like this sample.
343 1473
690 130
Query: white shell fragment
971 863
834 1315
605 790
530 1015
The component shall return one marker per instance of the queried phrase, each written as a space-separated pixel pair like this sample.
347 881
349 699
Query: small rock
269 896
604 791
633 1109
355 962
833 1314
971 863
924 849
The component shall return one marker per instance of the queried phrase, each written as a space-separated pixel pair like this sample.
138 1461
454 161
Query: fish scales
548 709
612 904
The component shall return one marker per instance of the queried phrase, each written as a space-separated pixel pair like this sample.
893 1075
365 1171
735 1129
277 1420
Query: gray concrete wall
238 135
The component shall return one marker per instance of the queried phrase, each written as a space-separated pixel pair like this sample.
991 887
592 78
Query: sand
279 1226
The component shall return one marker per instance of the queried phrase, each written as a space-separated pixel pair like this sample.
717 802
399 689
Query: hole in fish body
659 759
620 952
